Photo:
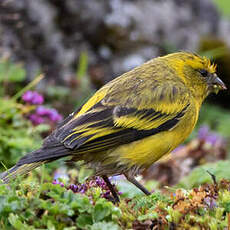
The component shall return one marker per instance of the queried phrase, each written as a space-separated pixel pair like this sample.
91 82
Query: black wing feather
119 135
56 145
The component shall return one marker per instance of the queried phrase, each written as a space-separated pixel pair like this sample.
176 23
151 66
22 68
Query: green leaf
127 189
101 210
50 225
81 203
17 224
84 220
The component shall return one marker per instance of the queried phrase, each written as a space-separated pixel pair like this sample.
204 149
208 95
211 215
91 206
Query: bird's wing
120 117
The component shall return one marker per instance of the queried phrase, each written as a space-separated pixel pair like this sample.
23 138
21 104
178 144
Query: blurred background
55 54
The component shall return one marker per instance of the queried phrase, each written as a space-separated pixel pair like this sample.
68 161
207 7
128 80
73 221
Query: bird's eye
203 72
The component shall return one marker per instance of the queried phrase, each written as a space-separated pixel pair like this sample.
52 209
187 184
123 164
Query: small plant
38 113
30 205
21 121
18 136
56 207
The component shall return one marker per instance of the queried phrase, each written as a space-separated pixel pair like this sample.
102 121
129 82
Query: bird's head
198 73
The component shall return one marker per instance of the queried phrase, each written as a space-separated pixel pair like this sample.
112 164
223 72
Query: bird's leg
137 184
111 188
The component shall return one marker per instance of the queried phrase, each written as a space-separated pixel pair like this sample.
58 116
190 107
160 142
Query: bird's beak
217 84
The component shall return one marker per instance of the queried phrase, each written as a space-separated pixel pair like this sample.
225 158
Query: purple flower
212 138
106 195
58 182
83 188
54 115
73 187
100 182
27 96
78 188
210 202
203 132
42 111
209 137
38 99
51 114
33 97
36 119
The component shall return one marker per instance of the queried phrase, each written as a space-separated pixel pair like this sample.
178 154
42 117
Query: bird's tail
33 160
18 170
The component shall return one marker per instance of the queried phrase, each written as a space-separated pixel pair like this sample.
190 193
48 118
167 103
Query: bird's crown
194 60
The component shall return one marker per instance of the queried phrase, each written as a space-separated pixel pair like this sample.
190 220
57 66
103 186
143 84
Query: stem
29 86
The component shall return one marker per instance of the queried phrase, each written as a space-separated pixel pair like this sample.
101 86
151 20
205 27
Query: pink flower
33 97
54 115
36 119
51 114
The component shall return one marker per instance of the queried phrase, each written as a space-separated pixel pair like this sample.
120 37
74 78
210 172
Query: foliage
18 136
200 174
29 205
224 7
210 113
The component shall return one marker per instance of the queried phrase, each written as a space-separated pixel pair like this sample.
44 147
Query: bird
132 121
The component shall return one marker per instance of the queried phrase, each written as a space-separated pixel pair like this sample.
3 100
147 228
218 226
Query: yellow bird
132 121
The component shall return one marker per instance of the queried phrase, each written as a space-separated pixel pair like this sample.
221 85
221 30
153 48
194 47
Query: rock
118 34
